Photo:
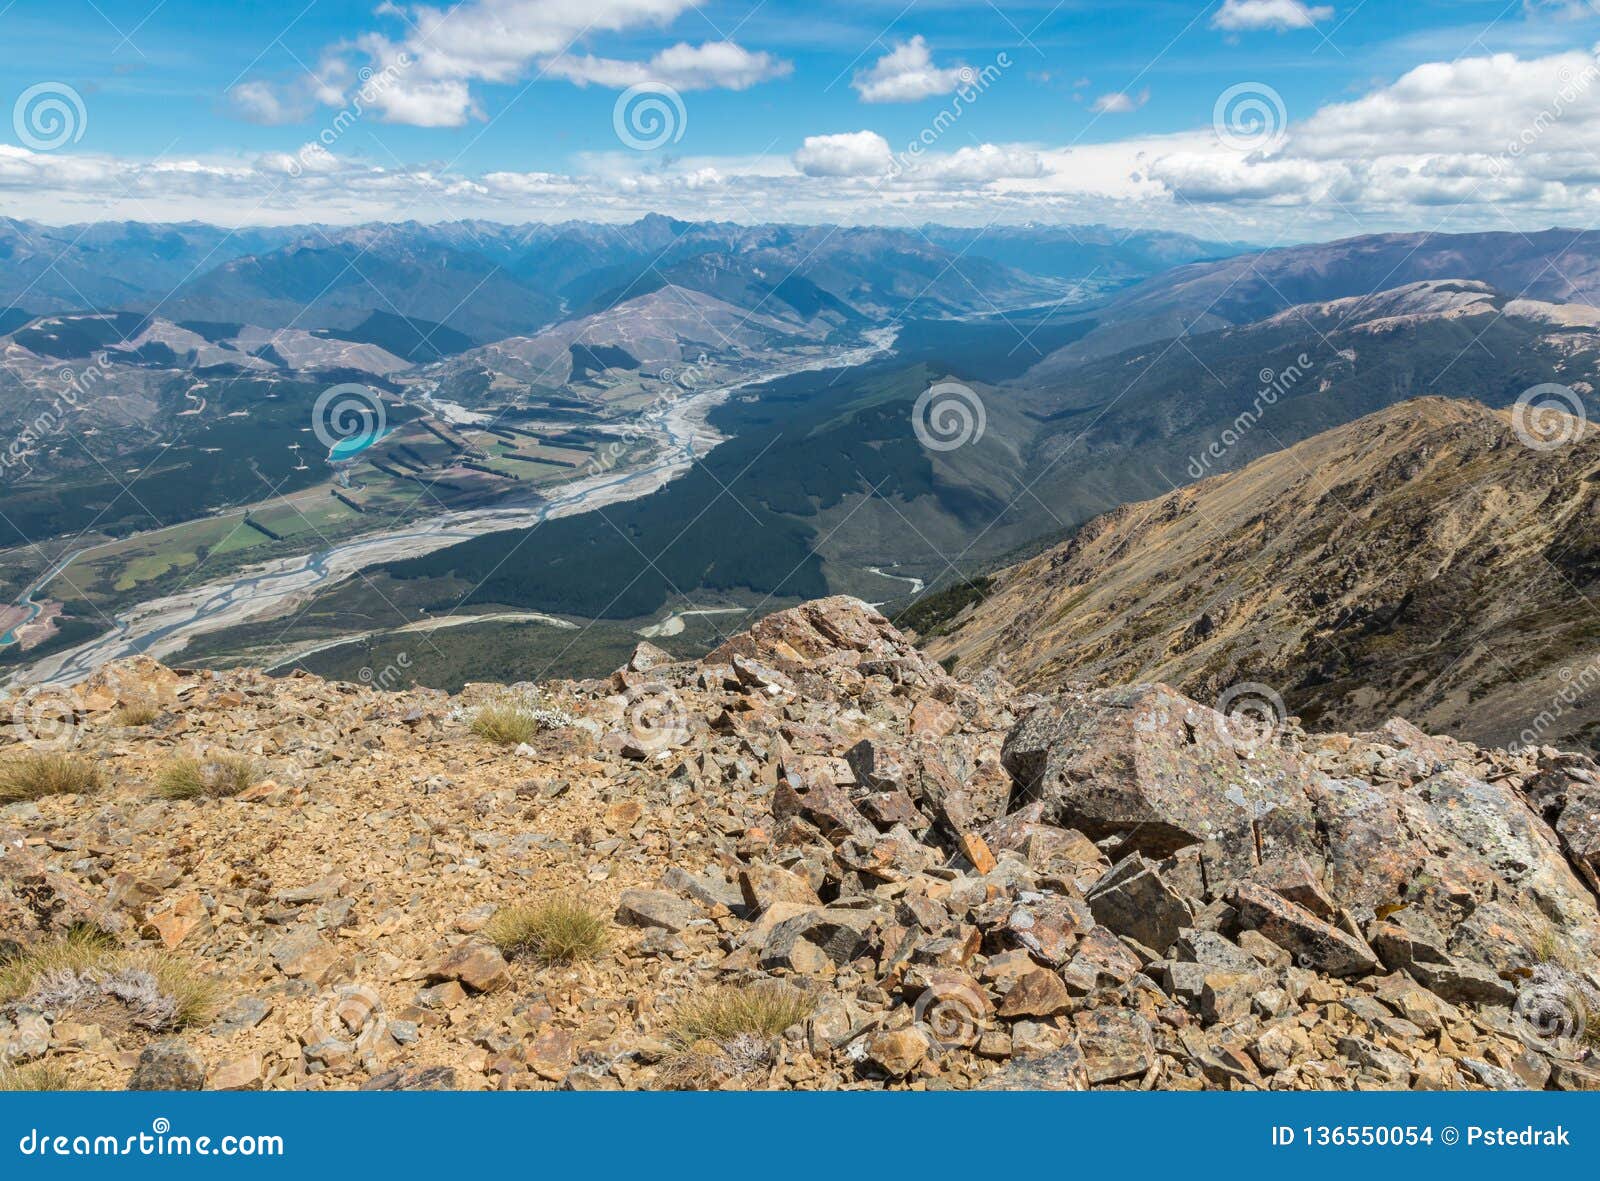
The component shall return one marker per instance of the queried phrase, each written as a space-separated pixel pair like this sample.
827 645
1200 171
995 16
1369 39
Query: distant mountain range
1560 265
662 327
1061 448
1072 252
1159 407
489 281
1555 265
478 311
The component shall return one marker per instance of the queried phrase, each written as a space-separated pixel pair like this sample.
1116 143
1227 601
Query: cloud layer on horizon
1491 141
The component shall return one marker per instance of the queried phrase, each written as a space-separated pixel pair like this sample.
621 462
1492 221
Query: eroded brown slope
1421 561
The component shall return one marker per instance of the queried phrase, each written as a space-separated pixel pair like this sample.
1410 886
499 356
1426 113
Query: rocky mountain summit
814 860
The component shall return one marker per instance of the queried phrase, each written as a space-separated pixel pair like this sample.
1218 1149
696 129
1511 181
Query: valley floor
165 625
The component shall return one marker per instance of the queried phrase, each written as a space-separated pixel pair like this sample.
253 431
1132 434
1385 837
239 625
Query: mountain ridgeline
1424 561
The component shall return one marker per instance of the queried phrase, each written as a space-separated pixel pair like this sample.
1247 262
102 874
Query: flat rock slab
1314 943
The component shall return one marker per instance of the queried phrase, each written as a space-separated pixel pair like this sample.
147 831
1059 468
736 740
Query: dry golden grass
81 948
196 997
700 1067
764 1009
139 713
39 1076
558 930
1589 1035
727 1037
188 778
505 724
34 776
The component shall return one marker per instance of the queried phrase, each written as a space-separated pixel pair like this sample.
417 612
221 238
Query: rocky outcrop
953 884
1158 773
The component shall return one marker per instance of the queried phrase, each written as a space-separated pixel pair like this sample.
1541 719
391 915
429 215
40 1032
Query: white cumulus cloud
1502 133
1496 141
981 164
435 58
906 74
1469 105
852 153
1239 16
259 101
719 65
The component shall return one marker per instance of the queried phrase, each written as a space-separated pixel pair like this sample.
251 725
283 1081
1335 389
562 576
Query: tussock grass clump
87 971
764 1009
34 776
728 1036
189 778
557 931
79 949
196 997
505 723
181 779
138 713
39 1076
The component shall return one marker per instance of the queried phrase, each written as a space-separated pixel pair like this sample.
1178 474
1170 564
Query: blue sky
509 109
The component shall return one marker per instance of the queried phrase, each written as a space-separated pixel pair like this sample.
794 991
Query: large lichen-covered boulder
1566 792
1459 856
1436 846
1161 772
